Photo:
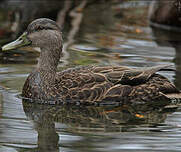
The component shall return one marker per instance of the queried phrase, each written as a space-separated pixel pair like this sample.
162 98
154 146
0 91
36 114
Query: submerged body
85 84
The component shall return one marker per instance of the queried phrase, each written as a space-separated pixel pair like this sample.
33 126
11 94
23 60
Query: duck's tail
175 98
164 67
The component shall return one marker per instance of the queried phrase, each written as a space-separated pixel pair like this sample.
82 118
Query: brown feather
96 84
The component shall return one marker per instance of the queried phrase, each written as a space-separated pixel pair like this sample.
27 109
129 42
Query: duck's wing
88 75
117 74
135 76
88 83
141 85
113 83
95 69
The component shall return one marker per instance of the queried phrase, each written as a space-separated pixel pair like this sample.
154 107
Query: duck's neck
48 61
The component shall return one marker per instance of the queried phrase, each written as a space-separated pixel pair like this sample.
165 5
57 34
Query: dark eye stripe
43 28
34 27
39 29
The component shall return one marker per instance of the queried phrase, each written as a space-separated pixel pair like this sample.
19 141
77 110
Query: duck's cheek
37 43
35 39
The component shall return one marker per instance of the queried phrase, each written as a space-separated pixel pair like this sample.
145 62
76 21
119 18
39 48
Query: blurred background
133 33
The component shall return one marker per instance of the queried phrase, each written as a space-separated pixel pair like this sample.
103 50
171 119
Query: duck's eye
40 28
43 28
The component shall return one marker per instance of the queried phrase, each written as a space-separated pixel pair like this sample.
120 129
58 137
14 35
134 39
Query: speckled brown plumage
97 84
86 84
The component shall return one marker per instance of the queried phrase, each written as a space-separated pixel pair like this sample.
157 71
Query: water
109 33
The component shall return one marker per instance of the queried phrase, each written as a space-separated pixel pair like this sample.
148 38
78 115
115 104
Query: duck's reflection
47 136
89 118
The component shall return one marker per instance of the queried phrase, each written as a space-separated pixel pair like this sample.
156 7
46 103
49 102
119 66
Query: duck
86 84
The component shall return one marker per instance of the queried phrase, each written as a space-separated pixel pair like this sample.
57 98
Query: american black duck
86 84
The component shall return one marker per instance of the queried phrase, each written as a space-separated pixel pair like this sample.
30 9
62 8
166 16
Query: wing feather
95 83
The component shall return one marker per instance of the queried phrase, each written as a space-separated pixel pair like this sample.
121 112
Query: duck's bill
20 42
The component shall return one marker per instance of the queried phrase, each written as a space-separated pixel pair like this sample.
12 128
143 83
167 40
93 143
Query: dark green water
108 34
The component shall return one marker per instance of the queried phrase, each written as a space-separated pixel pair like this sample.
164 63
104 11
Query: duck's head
42 33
